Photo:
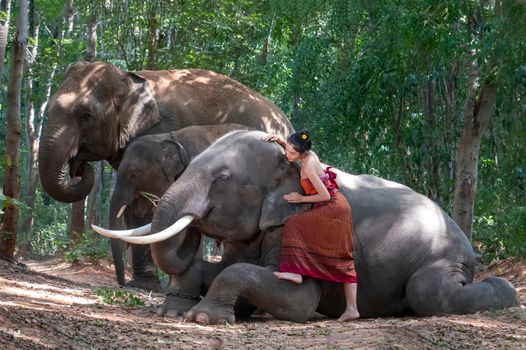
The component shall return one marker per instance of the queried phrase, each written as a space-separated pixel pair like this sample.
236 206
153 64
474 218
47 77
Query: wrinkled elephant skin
410 256
99 108
149 166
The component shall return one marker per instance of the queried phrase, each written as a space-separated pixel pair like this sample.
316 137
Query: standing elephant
410 256
99 108
151 164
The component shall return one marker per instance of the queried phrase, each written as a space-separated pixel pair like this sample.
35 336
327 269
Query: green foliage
88 249
49 235
381 84
119 297
6 201
500 228
51 8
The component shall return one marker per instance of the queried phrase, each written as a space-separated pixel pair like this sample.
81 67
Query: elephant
99 108
151 164
410 256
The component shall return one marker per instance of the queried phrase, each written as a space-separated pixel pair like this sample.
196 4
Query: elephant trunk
58 148
117 246
185 200
185 197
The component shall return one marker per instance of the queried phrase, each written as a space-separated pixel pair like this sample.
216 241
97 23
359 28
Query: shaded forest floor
53 305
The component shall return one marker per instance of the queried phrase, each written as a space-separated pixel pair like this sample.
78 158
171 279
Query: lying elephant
151 164
410 256
99 108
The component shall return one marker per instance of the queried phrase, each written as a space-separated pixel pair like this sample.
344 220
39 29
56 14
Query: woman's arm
323 194
275 138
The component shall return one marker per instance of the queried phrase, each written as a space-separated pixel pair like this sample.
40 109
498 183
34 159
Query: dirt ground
53 305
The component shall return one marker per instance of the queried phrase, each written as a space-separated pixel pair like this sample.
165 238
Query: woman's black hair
300 141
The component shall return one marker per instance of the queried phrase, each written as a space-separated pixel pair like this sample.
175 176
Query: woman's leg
351 311
289 276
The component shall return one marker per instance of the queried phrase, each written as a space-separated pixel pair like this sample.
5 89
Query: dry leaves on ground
53 305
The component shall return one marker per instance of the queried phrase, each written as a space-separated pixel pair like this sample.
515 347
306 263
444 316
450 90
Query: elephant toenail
171 313
202 318
160 311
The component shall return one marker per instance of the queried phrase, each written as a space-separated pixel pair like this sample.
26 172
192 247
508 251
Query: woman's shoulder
314 158
313 164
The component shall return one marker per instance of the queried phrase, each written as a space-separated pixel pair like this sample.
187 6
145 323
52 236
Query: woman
318 242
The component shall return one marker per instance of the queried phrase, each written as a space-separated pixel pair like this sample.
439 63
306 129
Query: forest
390 88
429 94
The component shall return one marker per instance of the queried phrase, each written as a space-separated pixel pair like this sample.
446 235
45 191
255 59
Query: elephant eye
224 175
87 115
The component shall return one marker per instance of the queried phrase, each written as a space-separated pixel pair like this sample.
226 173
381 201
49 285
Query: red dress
318 242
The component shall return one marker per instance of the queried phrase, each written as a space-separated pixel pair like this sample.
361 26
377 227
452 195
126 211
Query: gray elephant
99 108
151 164
410 256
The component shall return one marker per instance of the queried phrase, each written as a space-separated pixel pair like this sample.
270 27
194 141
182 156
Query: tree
4 26
94 196
479 108
76 226
33 127
8 231
488 24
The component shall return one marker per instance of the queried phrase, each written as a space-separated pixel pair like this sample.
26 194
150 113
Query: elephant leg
185 288
144 271
257 285
444 288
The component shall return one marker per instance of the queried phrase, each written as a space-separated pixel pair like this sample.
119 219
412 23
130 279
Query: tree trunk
91 47
76 227
94 197
477 113
113 181
266 43
67 23
68 16
152 39
33 174
4 27
96 191
33 131
430 108
11 187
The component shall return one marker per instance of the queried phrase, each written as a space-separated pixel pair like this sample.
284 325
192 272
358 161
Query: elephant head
232 192
96 110
150 165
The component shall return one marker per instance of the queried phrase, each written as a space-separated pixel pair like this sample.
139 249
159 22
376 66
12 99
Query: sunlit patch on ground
43 312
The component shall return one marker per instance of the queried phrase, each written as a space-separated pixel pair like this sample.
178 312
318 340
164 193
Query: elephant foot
149 283
207 313
177 304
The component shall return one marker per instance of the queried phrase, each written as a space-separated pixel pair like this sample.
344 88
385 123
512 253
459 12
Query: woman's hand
293 197
273 138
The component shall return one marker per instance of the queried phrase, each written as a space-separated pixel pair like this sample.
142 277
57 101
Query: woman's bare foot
349 314
289 276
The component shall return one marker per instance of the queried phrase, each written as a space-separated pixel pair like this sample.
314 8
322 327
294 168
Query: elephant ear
175 159
276 210
137 109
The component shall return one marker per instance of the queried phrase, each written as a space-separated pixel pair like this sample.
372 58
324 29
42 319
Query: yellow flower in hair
304 136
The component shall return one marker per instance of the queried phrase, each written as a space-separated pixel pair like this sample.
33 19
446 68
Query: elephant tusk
139 231
171 231
121 210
